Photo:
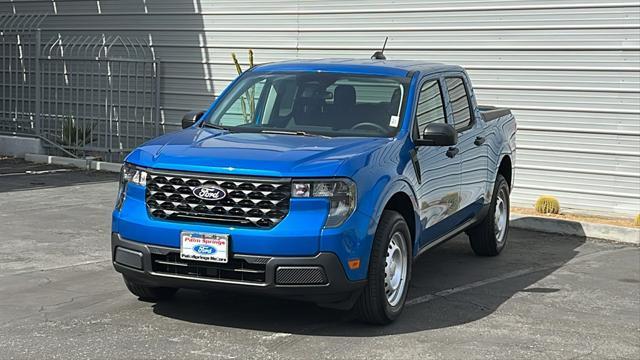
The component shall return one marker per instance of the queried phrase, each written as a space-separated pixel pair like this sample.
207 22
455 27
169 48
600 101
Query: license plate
204 247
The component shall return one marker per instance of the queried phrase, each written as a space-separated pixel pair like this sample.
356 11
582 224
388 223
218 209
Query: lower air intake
300 275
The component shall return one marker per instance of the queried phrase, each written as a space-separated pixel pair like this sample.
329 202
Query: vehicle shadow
19 175
451 286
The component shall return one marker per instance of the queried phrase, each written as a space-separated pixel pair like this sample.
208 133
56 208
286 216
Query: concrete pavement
546 296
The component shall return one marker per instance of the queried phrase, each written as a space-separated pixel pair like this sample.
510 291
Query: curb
575 228
105 166
86 164
18 146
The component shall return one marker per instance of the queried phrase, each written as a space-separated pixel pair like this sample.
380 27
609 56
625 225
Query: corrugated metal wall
569 69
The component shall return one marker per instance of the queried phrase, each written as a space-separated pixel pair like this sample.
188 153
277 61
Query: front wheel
383 298
489 237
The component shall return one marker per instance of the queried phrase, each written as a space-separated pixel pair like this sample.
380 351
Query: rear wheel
149 293
383 298
489 237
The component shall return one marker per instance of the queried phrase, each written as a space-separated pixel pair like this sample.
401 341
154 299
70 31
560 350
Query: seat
306 111
343 112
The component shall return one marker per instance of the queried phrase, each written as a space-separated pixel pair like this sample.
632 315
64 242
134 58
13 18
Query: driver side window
430 108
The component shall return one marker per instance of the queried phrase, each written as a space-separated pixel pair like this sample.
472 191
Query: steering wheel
370 124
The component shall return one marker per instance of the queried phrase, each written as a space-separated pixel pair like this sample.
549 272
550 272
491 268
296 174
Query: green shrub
74 135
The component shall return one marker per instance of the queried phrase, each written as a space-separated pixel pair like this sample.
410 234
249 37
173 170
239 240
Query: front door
439 188
473 152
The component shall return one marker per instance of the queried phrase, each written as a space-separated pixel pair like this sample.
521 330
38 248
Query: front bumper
320 278
300 234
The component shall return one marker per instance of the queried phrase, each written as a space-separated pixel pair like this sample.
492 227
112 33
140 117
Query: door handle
479 140
452 152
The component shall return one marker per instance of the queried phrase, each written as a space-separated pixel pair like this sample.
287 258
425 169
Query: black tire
482 237
148 293
373 305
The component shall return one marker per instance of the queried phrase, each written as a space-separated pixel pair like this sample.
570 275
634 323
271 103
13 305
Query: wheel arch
401 203
400 197
506 170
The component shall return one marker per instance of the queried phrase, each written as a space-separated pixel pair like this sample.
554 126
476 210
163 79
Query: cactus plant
547 204
636 221
248 111
236 63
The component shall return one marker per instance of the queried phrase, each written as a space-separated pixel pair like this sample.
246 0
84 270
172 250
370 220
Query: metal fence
99 95
85 95
19 36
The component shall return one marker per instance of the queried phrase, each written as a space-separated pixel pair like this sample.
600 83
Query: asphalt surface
545 297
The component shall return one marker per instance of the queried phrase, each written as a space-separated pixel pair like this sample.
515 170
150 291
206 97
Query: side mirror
438 135
191 118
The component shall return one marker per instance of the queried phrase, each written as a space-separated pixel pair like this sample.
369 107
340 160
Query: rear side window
430 105
459 103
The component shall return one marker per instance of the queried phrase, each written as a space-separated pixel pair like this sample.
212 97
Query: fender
397 186
510 155
504 152
497 154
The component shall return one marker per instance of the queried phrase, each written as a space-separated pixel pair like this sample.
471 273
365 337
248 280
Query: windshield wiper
289 132
214 126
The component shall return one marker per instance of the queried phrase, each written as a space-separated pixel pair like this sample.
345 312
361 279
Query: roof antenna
379 55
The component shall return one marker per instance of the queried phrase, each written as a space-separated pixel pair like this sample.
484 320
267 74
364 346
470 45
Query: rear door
439 181
471 143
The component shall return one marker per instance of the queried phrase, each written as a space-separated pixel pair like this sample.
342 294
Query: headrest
344 95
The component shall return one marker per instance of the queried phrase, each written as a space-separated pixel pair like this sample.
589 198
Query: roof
359 66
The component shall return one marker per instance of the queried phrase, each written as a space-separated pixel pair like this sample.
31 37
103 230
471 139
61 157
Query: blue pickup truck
320 180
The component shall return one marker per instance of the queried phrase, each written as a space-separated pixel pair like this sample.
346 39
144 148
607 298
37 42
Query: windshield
308 103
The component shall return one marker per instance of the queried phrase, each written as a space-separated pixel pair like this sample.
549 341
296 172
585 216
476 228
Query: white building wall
569 69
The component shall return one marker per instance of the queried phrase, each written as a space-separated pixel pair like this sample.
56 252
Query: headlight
133 174
341 194
129 173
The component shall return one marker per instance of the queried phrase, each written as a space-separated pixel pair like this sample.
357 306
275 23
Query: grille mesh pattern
257 202
300 275
235 269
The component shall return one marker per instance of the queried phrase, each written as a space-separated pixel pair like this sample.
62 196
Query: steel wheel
396 265
383 297
490 236
501 216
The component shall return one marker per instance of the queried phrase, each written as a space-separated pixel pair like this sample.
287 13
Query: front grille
255 202
234 270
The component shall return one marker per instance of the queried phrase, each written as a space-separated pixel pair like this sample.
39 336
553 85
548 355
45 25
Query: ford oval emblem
209 193
204 249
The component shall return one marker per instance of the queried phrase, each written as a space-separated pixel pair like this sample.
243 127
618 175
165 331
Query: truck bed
490 113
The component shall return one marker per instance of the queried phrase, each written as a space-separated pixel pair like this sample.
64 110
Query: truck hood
210 150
